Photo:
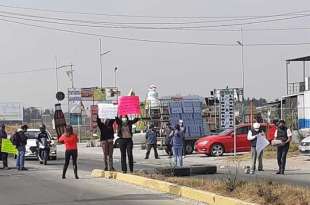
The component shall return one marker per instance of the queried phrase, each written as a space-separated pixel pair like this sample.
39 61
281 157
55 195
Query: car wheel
189 149
217 150
53 158
116 144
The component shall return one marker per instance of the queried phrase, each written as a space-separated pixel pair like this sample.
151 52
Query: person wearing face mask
252 137
283 134
125 142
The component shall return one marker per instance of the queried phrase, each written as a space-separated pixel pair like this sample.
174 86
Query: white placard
261 143
107 111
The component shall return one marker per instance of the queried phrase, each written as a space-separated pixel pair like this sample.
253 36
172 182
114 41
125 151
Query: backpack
14 140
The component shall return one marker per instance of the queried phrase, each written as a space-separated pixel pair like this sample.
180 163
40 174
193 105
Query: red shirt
69 141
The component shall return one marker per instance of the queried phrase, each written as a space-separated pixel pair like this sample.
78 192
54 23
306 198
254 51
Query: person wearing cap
252 137
3 155
283 134
151 139
70 140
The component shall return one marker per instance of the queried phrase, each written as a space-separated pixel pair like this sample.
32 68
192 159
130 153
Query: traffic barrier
169 188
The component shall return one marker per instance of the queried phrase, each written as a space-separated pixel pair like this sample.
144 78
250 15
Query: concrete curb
166 187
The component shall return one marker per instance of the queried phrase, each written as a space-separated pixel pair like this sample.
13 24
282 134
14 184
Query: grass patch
270 153
264 192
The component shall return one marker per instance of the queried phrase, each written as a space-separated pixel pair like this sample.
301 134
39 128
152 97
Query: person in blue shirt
177 145
151 140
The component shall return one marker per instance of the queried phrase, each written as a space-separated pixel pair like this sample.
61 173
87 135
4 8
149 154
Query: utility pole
241 43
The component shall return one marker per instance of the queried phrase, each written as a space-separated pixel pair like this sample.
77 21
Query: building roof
306 58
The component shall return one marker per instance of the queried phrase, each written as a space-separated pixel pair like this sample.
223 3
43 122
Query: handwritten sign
107 111
129 105
8 147
261 143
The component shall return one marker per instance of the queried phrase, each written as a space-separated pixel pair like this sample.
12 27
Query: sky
175 69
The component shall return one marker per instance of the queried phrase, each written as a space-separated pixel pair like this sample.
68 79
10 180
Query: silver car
31 147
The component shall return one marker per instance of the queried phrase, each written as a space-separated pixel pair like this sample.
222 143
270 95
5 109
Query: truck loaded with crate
190 111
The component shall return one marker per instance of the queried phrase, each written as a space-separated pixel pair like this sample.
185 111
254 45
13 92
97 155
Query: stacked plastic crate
190 112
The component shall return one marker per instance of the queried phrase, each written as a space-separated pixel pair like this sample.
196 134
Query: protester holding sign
253 135
125 141
106 139
3 155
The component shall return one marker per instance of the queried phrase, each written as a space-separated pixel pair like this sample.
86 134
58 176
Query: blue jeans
20 160
177 152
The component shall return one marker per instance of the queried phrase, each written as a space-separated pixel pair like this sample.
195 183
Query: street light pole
115 71
100 55
240 43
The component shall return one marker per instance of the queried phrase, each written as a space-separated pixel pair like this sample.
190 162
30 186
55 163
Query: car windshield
32 134
225 132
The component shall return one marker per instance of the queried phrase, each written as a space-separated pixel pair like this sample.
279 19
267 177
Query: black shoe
278 172
41 162
124 172
106 169
63 177
24 169
76 177
157 158
146 158
260 170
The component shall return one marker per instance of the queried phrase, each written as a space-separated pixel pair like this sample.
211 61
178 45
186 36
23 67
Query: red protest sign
129 105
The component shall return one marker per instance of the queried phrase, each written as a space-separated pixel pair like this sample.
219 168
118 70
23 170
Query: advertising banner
129 105
11 112
93 94
107 111
94 114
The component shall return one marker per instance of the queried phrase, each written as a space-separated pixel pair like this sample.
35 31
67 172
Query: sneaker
278 172
24 169
6 168
260 170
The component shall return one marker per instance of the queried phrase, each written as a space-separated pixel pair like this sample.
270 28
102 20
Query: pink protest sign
129 105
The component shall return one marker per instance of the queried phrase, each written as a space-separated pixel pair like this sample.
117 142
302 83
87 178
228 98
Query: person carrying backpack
177 145
151 138
20 140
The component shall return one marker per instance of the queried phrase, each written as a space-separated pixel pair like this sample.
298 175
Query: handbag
276 142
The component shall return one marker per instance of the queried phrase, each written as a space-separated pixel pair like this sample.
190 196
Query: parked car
304 146
217 145
31 147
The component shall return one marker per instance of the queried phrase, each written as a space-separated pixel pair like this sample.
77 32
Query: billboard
93 94
11 112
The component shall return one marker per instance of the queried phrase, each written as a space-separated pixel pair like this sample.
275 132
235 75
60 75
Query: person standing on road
182 133
3 155
167 132
70 140
43 145
20 140
177 145
283 134
125 141
252 137
151 138
106 139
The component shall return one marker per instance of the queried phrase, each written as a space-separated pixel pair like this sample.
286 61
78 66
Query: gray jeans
254 158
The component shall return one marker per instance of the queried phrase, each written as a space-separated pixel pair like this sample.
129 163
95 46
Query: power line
155 41
27 71
133 16
118 37
149 23
157 28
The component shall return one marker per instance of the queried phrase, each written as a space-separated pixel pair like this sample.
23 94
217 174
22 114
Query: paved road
42 185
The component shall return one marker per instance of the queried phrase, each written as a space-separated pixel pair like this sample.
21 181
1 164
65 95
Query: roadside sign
93 94
129 105
107 111
8 147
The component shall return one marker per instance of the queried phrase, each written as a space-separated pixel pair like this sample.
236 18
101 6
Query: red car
217 145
